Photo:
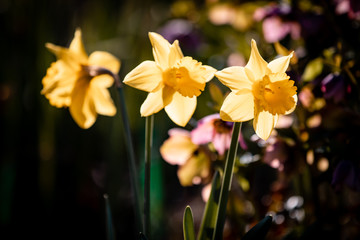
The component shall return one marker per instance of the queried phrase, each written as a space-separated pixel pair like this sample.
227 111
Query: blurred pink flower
211 129
276 23
349 7
275 29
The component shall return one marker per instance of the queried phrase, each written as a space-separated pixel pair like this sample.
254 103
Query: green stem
131 158
109 224
149 127
226 183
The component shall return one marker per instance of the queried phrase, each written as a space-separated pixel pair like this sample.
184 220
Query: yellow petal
58 84
281 64
238 108
175 53
293 108
210 71
146 77
264 123
178 148
105 60
156 101
180 109
82 108
70 58
161 49
77 45
256 64
101 98
235 78
102 81
198 166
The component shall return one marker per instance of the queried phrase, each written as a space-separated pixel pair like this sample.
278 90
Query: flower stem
149 127
226 183
131 158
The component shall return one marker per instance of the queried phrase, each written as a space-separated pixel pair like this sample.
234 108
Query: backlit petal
181 109
146 77
238 108
177 149
58 84
210 71
77 45
203 133
293 108
71 59
256 64
235 78
264 123
161 49
103 102
105 60
196 167
280 64
221 142
103 81
82 108
175 53
156 101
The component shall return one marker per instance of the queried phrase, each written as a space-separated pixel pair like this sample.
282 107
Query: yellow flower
172 80
77 81
194 162
261 91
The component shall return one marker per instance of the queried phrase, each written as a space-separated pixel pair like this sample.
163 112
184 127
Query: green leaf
226 182
188 224
209 218
313 69
259 231
109 223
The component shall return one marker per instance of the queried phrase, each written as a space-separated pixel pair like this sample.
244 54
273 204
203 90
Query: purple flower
334 87
276 23
184 31
211 129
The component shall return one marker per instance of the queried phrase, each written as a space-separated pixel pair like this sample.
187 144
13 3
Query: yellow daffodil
77 81
172 80
261 91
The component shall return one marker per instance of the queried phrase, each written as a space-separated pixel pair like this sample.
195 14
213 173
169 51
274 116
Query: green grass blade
188 224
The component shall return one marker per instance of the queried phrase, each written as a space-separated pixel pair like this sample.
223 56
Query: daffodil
80 82
172 81
261 91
